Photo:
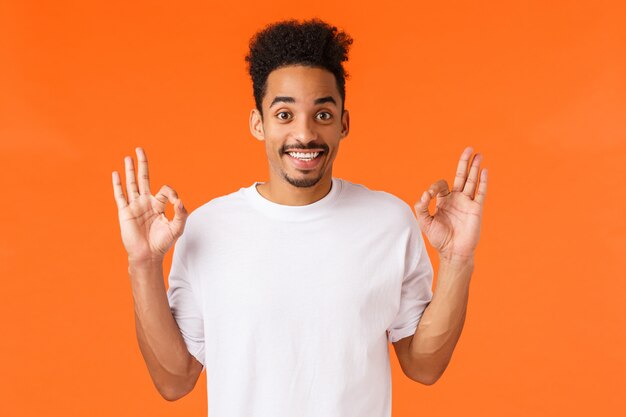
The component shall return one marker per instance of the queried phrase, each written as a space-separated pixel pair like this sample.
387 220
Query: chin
302 182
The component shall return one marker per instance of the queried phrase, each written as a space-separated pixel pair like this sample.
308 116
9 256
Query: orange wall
538 87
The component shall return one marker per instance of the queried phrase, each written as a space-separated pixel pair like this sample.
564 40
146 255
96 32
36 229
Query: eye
326 115
283 115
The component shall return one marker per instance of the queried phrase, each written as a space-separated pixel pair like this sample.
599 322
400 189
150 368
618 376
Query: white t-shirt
290 308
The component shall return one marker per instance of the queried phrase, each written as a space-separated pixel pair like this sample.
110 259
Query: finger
439 188
118 192
180 217
472 178
482 187
461 169
142 172
165 194
131 184
424 219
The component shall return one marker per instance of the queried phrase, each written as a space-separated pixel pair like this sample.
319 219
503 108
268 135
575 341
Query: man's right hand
146 233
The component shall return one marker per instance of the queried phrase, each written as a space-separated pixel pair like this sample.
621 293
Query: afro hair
312 43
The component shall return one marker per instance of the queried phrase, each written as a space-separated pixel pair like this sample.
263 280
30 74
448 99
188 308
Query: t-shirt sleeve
185 301
417 284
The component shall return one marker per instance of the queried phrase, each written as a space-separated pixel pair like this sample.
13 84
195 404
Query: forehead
302 83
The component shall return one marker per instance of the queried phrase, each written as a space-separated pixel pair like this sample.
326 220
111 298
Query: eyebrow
285 99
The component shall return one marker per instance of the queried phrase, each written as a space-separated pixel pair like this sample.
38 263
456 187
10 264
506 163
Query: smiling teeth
305 156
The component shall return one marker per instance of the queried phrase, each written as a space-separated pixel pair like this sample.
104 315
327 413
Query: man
289 291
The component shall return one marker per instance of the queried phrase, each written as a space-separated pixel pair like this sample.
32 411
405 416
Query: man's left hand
454 228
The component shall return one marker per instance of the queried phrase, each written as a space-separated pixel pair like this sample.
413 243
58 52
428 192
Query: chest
299 275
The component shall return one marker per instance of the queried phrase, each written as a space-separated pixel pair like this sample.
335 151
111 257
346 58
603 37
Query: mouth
305 158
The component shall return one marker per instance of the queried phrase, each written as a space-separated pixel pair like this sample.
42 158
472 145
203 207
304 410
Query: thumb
424 219
180 217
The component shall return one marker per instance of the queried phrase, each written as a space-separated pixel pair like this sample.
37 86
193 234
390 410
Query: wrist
456 260
144 263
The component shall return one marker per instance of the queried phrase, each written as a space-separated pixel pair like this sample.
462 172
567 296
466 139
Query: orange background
538 87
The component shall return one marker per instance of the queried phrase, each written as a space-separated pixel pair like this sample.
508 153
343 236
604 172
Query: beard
302 182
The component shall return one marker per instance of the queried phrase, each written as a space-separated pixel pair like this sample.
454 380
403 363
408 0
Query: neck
279 191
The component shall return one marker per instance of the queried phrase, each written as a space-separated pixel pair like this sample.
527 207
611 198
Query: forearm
441 324
160 341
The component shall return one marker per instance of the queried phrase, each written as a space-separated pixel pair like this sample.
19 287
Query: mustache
322 146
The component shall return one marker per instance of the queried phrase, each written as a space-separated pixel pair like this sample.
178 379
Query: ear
345 124
256 125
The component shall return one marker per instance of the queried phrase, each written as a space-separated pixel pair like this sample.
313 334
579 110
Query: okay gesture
147 234
454 228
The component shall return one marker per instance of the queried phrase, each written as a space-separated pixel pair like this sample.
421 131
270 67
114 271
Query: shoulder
378 198
376 201
218 207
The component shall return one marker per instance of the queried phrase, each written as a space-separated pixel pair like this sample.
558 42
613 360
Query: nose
304 130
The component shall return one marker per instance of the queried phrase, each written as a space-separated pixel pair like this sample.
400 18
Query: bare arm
147 236
425 355
453 230
173 369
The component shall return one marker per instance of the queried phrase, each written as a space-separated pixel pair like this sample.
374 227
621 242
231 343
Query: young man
288 291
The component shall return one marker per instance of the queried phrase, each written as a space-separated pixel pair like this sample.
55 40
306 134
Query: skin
147 236
453 230
298 122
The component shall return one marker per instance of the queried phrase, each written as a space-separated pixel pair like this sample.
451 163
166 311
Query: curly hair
312 43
